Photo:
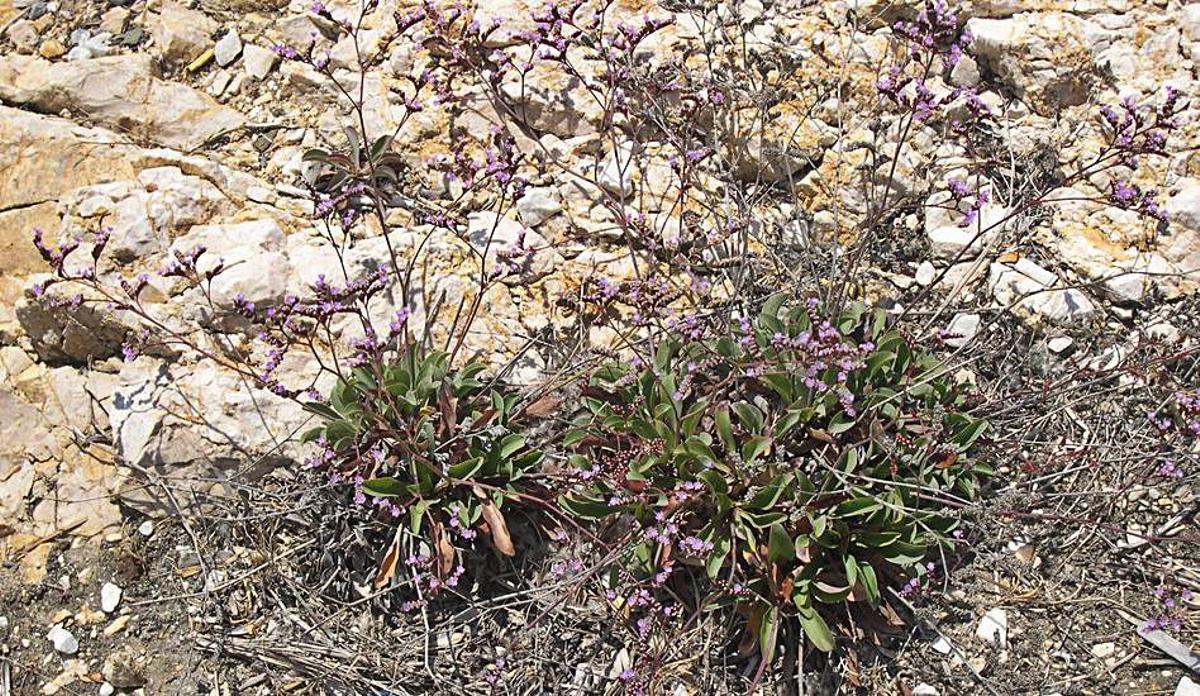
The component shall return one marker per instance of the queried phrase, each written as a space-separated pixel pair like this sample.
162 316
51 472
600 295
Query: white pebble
993 627
63 640
110 597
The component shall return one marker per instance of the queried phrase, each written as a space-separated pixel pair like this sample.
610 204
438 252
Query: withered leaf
445 550
496 524
448 405
948 460
387 567
543 407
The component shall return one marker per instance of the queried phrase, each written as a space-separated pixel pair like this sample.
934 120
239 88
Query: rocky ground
156 538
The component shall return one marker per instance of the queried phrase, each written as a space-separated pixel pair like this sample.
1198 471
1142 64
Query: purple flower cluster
423 573
816 355
1128 196
960 192
1189 409
934 31
1171 618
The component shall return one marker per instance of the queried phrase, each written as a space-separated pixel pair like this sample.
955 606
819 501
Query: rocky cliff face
177 124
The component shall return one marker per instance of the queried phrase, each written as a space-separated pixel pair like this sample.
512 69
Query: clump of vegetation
432 446
799 461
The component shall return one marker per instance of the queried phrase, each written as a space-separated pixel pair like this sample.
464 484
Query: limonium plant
794 460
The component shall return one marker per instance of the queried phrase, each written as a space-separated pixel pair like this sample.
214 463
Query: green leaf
716 558
322 410
779 545
903 553
715 481
386 487
749 415
969 434
312 435
754 447
816 629
766 497
768 634
858 506
585 508
381 144
876 540
840 423
781 384
879 323
466 468
574 436
762 520
511 444
725 430
416 513
774 303
866 574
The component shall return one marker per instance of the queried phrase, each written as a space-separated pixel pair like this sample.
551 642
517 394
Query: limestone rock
1042 56
499 238
251 253
258 61
228 48
1036 294
538 205
180 34
120 92
778 146
551 100
30 144
950 238
154 423
66 331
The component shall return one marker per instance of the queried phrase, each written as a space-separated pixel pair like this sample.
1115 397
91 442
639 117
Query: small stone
220 82
262 194
228 48
1104 650
1163 331
51 49
942 646
258 61
538 205
1187 687
1060 344
118 624
123 671
926 272
964 328
146 528
107 689
113 21
63 640
23 35
978 663
925 690
110 597
965 72
993 627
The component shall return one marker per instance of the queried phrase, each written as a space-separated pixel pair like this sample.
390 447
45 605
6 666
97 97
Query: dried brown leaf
387 567
543 407
496 524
